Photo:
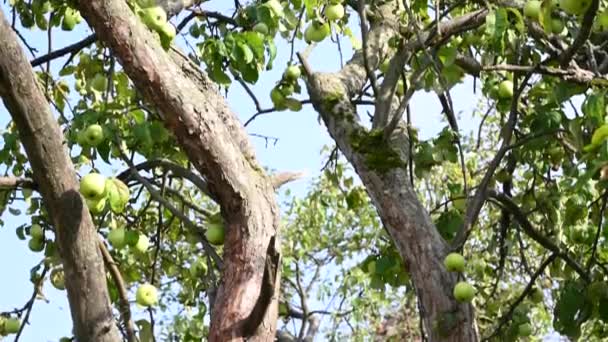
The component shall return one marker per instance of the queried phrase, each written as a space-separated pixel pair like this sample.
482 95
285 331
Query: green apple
261 28
505 89
146 295
215 234
142 243
58 279
400 87
117 238
292 73
36 232
557 25
36 245
96 207
574 7
167 33
602 21
283 309
154 17
385 65
524 330
460 204
12 325
93 186
316 32
94 135
464 292
99 82
277 97
71 17
454 262
334 12
532 9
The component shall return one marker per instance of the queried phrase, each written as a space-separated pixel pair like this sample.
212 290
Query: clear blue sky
300 136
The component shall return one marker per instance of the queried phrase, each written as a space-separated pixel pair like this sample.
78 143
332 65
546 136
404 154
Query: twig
125 310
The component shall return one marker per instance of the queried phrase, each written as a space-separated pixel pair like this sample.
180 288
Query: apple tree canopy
146 205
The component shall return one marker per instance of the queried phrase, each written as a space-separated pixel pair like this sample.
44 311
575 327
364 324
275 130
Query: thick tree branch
54 172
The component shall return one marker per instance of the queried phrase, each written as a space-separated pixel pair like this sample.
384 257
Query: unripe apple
283 309
12 325
532 9
400 87
36 232
58 279
117 238
602 21
142 243
316 32
167 33
557 25
99 82
94 135
574 7
385 65
334 12
454 262
261 28
215 234
146 295
71 17
505 89
464 292
36 245
524 330
93 186
277 97
292 73
96 207
154 17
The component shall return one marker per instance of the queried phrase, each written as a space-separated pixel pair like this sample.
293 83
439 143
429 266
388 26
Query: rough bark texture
217 145
55 175
382 165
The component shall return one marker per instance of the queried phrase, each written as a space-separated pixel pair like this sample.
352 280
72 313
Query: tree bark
217 145
41 136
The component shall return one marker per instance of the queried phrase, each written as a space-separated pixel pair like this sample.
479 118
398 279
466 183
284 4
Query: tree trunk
216 143
41 136
381 163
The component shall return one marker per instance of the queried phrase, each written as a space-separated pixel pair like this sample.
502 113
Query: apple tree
496 235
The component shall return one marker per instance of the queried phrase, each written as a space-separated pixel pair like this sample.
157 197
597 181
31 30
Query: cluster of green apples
120 237
93 135
98 190
534 8
9 325
155 18
280 94
463 291
37 241
319 28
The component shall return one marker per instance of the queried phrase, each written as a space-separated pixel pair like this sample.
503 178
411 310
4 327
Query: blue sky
300 139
